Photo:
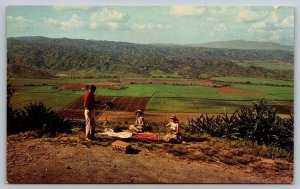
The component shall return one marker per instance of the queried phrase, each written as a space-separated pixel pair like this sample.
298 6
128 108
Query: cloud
186 11
220 14
282 37
74 22
245 14
149 26
276 35
221 27
272 23
69 7
19 21
273 17
287 22
108 19
108 15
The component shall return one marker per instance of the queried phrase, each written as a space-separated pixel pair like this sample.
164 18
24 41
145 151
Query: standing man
89 105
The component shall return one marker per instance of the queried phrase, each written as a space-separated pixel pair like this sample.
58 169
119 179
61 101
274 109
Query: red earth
229 90
82 86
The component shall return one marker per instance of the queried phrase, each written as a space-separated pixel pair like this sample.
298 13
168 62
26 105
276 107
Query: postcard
150 94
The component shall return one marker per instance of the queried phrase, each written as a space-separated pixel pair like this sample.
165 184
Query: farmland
155 96
257 81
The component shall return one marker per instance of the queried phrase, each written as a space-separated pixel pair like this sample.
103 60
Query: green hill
242 44
123 59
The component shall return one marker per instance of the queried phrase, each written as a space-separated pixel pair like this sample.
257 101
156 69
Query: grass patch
190 105
270 92
262 150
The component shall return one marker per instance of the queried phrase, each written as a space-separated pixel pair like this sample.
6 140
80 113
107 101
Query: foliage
37 117
258 123
217 126
283 133
10 111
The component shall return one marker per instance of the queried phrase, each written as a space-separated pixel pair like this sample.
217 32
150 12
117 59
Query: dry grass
263 150
260 159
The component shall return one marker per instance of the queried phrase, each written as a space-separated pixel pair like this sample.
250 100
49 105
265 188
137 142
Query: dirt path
42 161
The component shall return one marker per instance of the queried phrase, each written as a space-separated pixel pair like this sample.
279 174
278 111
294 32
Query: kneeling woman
139 122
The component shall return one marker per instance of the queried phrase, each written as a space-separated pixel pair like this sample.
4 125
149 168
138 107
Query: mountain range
41 56
243 44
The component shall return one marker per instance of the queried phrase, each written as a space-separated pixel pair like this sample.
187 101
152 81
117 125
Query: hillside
242 44
120 58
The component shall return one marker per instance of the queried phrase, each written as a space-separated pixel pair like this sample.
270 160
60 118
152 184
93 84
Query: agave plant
256 122
205 124
231 129
283 133
36 116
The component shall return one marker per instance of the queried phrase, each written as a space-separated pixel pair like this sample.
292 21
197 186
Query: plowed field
130 104
123 104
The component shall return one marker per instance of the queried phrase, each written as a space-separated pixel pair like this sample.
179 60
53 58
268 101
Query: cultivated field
157 97
121 104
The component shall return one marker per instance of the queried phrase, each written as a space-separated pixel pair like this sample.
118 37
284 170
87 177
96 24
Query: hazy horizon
153 43
180 25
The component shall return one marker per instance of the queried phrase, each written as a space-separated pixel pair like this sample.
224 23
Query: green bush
258 123
219 126
37 117
10 111
204 124
283 133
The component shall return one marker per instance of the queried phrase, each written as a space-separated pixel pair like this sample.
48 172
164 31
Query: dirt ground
149 116
57 160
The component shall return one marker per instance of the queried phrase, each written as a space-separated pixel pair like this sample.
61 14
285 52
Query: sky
154 24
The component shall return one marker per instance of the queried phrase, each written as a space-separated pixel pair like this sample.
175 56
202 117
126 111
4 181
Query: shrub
37 117
10 111
283 133
219 126
205 124
258 123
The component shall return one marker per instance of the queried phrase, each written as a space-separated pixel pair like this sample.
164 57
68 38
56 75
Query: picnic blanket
111 133
148 136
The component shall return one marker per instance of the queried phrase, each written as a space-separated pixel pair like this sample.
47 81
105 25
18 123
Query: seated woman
174 135
139 122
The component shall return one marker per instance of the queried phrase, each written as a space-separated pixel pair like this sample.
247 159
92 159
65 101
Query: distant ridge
33 56
243 44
